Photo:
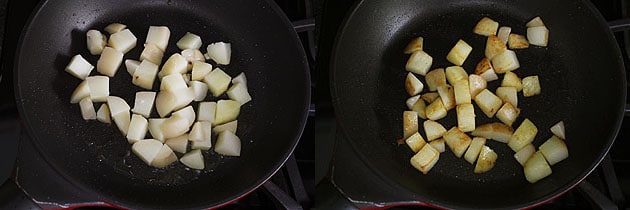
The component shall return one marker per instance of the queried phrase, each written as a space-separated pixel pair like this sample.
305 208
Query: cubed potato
103 115
430 97
193 159
109 62
174 127
200 70
461 89
200 89
486 160
537 21
80 92
536 168
114 27
505 61
413 85
457 141
459 53
189 41
410 123
218 81
230 126
159 36
414 45
438 144
524 135
508 95
495 131
155 129
206 111
435 78
192 55
164 157
412 101
415 142
504 34
220 52
538 35
419 62
558 129
420 108
131 66
144 103
433 129
447 95
485 70
152 53
488 102
99 88
87 109
227 110
177 144
123 41
436 110
486 27
474 149
96 41
477 84
523 155
425 159
176 64
147 149
512 80
206 143
144 76
138 128
494 46
531 86
454 73
508 114
517 41
466 117
228 144
554 150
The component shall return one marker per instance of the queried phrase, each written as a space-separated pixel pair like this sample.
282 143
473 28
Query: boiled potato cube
165 103
474 149
96 41
457 140
131 66
524 135
189 41
419 62
206 111
188 113
494 47
462 91
485 70
537 21
538 35
531 86
505 61
504 34
558 129
420 108
486 27
178 144
438 144
152 53
220 52
200 70
536 168
430 97
144 103
174 126
508 95
206 143
192 55
495 131
447 95
413 85
114 27
218 81
147 149
477 84
193 159
523 155
508 114
436 110
228 144
512 80
173 82
433 129
412 101
103 114
158 36
414 45
138 128
197 132
466 117
200 89
488 102
144 76
99 88
231 126
435 78
455 73
554 150
155 129
122 121
87 109
415 142
117 105
82 91
517 41
486 160
425 159
459 53
410 123
240 78
176 64
228 110
109 62
123 41
164 157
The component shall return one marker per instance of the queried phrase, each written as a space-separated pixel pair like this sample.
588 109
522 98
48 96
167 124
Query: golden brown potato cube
486 27
508 95
454 73
410 123
517 41
430 97
505 61
412 101
477 84
494 46
466 117
461 89
420 107
425 159
419 62
413 85
554 150
496 131
473 150
486 160
531 86
435 78
485 70
414 45
523 155
436 110
512 80
438 144
508 113
488 102
459 53
536 168
433 129
415 142
524 135
457 140
447 94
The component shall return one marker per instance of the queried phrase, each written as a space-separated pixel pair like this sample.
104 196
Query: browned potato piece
477 84
415 142
419 62
505 61
438 144
435 78
508 95
531 86
414 45
524 135
508 114
554 150
488 102
485 70
430 97
447 95
459 53
454 73
413 85
420 107
512 80
536 168
433 129
486 27
494 46
486 161
523 155
412 101
410 123
466 117
473 150
517 41
425 159
436 110
461 88
495 131
457 140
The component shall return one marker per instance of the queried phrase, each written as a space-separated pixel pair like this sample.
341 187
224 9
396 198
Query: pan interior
582 84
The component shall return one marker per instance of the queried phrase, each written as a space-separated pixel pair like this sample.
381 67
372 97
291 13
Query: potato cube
218 81
114 27
420 108
410 123
486 160
485 70
80 92
430 97
96 41
412 85
419 62
537 21
505 61
438 144
173 82
99 88
237 92
454 73
155 128
459 53
412 101
79 67
144 103
138 128
144 76
524 135
447 95
109 62
152 53
131 66
462 92
512 80
177 144
206 111
176 64
158 35
466 117
508 95
488 102
230 126
433 129
486 27
425 159
228 144
554 150
457 140
558 129
103 115
477 84
87 109
538 35
228 110
494 46
531 86
200 70
517 41
415 142
220 52
523 155
474 149
504 34
435 78
189 41
414 45
495 131
436 110
536 168
123 41
508 114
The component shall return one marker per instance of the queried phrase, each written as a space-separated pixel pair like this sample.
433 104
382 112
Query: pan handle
619 25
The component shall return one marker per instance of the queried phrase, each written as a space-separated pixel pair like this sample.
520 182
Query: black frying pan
582 79
95 157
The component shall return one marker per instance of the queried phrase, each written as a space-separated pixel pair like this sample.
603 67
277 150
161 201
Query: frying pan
96 158
581 74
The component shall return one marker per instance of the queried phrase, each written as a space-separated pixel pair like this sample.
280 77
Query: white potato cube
477 84
122 121
114 27
103 114
531 86
505 61
420 108
508 95
173 82
430 97
538 35
439 145
200 70
461 89
197 133
206 143
188 113
227 110
425 159
410 123
144 76
158 35
206 111
558 129
239 92
200 89
414 45
495 131
165 103
164 157
96 41
189 41
82 91
459 53
488 102
447 95
79 67
131 66
123 41
147 149
240 78
218 81
436 110
138 128
517 41
485 70
178 144
99 88
536 168
174 126
415 142
419 62
523 135
192 55
176 64
474 149
220 52
109 62
508 114
413 85
537 21
231 126
435 78
228 144
512 80
504 34
152 53
486 160
523 155
117 105
486 27
494 46
433 129
144 103
155 128
87 109
554 150
457 141
455 73
466 117
193 159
